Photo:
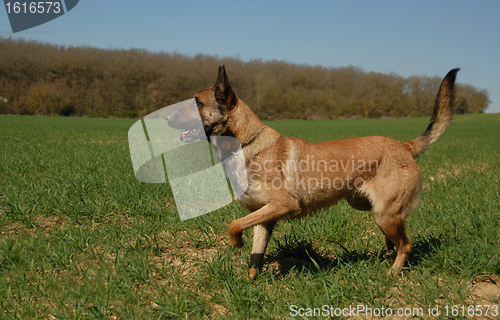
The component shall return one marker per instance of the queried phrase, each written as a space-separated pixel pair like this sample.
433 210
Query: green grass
81 238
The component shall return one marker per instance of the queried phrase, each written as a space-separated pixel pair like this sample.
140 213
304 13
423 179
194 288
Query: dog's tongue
182 133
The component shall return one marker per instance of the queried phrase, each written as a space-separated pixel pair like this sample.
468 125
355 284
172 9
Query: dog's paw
395 273
236 240
252 273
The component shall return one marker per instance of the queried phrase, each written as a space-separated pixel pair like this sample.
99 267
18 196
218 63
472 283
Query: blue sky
418 37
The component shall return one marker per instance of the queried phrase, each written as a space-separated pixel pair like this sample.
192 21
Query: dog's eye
198 103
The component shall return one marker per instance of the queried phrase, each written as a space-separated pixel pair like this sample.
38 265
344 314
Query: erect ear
223 92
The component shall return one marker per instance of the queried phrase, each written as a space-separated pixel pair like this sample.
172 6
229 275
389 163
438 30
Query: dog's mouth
190 135
187 119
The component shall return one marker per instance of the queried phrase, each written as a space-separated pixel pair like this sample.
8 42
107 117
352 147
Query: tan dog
290 178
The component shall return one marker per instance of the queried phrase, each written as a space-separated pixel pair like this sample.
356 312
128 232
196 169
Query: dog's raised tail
441 116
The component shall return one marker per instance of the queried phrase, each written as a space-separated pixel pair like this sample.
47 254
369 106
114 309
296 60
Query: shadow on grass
301 255
423 247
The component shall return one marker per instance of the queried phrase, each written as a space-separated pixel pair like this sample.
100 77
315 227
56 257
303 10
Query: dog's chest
252 200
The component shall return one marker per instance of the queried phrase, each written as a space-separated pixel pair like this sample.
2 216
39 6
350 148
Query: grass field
81 238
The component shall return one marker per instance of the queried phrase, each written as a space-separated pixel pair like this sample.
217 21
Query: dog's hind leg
394 230
261 235
392 197
391 219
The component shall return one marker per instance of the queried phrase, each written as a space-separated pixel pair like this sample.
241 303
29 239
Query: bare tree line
45 79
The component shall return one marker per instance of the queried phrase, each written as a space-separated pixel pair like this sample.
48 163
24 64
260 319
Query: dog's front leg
273 211
261 235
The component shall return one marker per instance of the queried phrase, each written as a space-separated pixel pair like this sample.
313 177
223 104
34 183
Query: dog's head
213 106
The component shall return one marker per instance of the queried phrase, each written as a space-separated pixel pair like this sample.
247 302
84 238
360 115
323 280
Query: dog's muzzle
188 120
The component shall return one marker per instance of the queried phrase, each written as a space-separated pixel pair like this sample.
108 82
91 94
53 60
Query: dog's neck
243 124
